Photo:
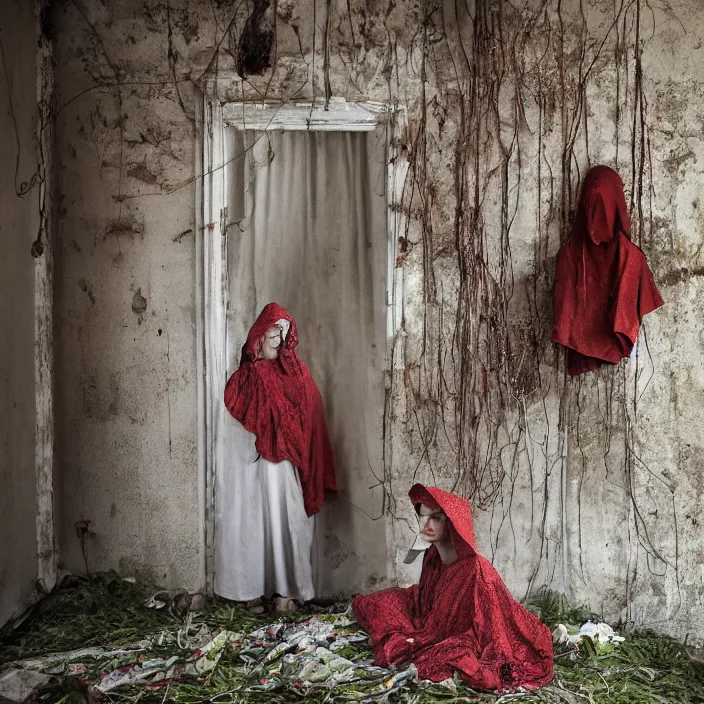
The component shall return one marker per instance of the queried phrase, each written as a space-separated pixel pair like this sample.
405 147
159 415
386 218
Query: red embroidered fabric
603 286
278 401
460 618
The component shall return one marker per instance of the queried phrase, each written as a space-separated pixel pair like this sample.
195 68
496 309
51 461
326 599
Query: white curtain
307 229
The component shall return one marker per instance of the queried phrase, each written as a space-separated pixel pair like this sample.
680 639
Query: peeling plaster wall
601 500
126 381
19 219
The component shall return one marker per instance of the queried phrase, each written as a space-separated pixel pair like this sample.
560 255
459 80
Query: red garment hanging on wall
603 286
461 617
278 401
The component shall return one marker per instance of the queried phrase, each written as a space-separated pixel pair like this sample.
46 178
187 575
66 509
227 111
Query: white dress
263 537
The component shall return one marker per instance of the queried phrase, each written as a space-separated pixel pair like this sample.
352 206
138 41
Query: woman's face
271 343
436 528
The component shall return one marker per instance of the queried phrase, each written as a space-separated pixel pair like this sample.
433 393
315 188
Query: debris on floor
19 686
108 639
602 635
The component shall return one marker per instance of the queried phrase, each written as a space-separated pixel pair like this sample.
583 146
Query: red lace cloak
461 617
603 286
278 401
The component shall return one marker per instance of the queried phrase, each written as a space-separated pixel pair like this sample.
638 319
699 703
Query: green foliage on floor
109 612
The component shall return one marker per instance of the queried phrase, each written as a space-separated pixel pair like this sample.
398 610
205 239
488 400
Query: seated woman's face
271 343
436 529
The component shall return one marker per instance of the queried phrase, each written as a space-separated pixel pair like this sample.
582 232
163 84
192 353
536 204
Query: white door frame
211 248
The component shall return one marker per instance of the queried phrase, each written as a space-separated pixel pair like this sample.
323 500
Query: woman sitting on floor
461 617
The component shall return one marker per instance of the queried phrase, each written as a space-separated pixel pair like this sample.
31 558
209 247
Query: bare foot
256 606
284 605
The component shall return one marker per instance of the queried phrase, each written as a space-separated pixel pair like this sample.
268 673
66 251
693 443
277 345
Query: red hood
461 618
268 318
602 213
458 512
603 286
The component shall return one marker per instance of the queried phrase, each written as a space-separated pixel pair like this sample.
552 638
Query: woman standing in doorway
274 496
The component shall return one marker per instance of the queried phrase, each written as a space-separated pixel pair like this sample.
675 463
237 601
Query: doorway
303 220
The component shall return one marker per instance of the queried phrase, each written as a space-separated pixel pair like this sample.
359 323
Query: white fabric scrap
95 653
17 685
601 632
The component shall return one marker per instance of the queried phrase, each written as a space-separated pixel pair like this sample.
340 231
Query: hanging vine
480 388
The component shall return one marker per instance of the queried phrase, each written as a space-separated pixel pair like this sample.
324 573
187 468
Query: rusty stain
181 235
100 402
677 276
334 551
83 285
124 226
139 305
142 173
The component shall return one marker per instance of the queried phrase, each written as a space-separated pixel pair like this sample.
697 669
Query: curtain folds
307 229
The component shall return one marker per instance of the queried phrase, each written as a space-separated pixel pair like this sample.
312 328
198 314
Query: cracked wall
589 486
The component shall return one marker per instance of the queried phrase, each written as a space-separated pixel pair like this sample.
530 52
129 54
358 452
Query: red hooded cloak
603 286
461 617
278 401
